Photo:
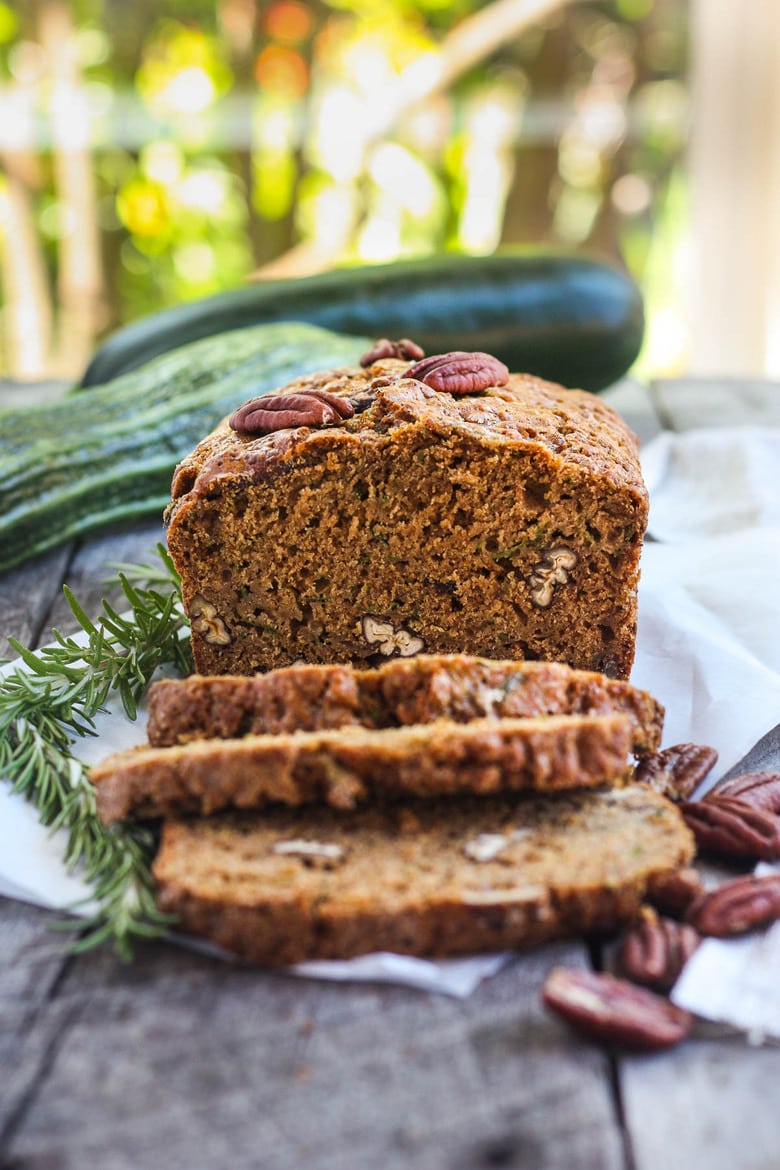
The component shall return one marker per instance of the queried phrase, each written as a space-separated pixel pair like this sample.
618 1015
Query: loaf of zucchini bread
438 505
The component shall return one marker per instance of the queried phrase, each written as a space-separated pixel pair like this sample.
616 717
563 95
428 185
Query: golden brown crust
399 692
352 765
570 426
427 878
506 523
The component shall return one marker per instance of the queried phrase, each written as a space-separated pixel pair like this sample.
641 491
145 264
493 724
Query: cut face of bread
426 878
400 692
506 523
353 765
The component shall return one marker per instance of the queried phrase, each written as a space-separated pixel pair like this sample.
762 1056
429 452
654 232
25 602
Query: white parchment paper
708 648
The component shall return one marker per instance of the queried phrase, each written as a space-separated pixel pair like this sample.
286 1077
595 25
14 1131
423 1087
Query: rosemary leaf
53 698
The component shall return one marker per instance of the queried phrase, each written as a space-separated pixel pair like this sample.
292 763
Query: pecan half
303 408
671 893
615 1011
655 951
460 372
729 828
737 907
409 350
758 789
677 771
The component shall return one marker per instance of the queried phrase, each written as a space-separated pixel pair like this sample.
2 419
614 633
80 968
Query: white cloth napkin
708 648
710 626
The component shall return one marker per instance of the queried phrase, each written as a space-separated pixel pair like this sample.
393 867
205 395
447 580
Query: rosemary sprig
56 694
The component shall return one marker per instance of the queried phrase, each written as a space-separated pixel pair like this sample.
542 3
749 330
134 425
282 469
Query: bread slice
427 878
401 691
346 766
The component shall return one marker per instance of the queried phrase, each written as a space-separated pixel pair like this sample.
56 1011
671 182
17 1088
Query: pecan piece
460 372
275 412
390 640
319 851
615 1011
553 569
205 620
655 951
737 907
729 828
758 789
406 349
672 892
677 771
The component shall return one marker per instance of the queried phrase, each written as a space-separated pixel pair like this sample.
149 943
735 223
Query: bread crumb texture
426 878
505 524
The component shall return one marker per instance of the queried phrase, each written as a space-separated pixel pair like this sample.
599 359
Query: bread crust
397 693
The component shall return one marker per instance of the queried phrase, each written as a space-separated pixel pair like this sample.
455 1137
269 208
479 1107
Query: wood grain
209 1062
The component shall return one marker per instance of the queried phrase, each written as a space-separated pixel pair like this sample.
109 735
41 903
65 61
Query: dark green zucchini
569 318
71 467
244 352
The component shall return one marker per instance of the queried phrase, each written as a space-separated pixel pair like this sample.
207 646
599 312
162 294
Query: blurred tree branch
80 281
28 309
466 45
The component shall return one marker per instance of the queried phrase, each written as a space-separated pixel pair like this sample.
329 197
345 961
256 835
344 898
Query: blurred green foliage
221 134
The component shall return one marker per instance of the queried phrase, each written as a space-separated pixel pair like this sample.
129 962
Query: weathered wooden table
181 1061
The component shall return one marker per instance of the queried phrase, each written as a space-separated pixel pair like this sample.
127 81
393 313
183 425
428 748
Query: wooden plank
707 1104
34 958
31 598
26 595
92 564
195 1060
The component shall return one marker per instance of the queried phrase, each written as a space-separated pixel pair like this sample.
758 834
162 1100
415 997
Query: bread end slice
429 878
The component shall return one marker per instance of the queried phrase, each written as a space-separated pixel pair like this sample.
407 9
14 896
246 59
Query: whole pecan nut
672 892
655 951
677 771
729 828
275 412
384 348
737 907
615 1011
460 372
758 789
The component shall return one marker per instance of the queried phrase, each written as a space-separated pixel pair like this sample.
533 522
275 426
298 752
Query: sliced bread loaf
500 520
424 878
349 765
401 691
